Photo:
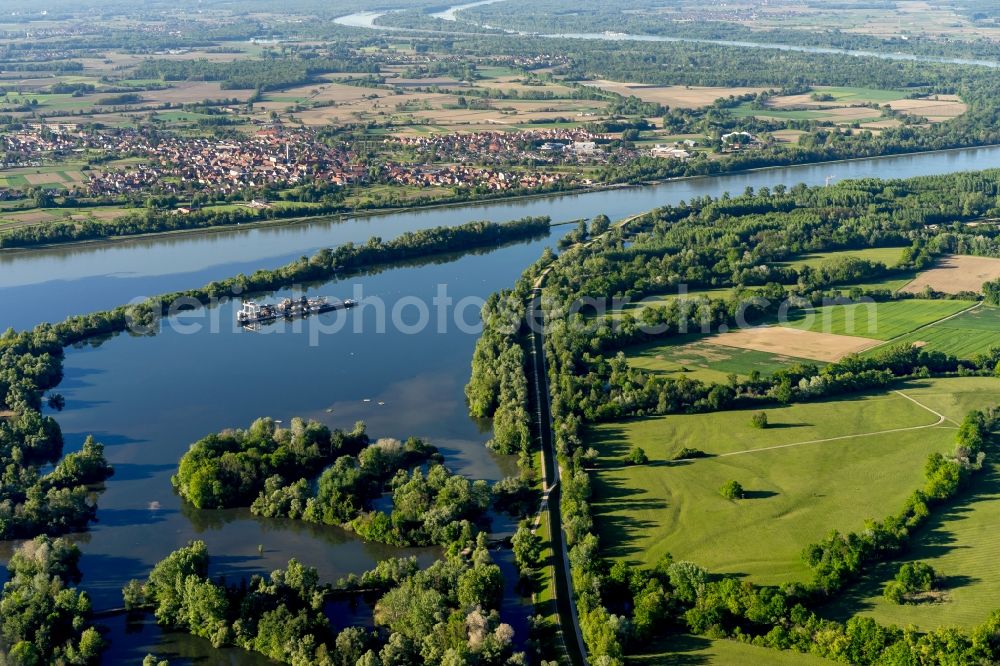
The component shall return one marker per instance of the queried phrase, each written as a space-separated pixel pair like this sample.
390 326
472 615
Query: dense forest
272 470
264 74
34 501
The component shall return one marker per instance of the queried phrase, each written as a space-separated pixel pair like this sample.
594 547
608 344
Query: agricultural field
878 321
819 466
844 105
957 273
705 361
681 97
797 342
822 334
904 17
52 176
936 109
14 218
636 307
970 333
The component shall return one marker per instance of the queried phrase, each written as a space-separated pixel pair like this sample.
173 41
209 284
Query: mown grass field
796 493
879 321
890 283
964 336
746 110
889 256
636 307
961 542
708 362
687 650
848 94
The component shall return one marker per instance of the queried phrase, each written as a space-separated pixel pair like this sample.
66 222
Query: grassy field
889 256
746 110
846 94
720 293
891 283
879 321
692 358
837 463
686 650
964 336
961 542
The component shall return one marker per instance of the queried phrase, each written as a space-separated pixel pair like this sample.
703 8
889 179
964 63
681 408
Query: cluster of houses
274 157
550 145
679 150
736 141
495 180
24 147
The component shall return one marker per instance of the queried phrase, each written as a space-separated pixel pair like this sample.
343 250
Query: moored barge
253 312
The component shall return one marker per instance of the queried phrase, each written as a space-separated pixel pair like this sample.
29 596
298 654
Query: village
125 162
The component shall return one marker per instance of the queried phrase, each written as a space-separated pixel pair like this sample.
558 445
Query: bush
912 579
731 490
759 420
636 456
991 291
687 453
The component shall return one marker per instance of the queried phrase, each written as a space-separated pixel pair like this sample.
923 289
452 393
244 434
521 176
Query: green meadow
960 541
849 94
889 256
819 466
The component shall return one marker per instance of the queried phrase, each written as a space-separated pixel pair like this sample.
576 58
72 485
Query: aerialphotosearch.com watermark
370 314
441 313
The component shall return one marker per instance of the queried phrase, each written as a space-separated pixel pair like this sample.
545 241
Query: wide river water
147 398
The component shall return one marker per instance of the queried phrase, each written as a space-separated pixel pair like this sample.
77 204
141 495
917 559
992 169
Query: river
368 20
451 14
147 398
50 284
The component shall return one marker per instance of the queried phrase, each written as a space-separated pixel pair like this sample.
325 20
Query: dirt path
941 420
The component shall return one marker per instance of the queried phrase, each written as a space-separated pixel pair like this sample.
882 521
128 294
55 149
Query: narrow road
538 385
